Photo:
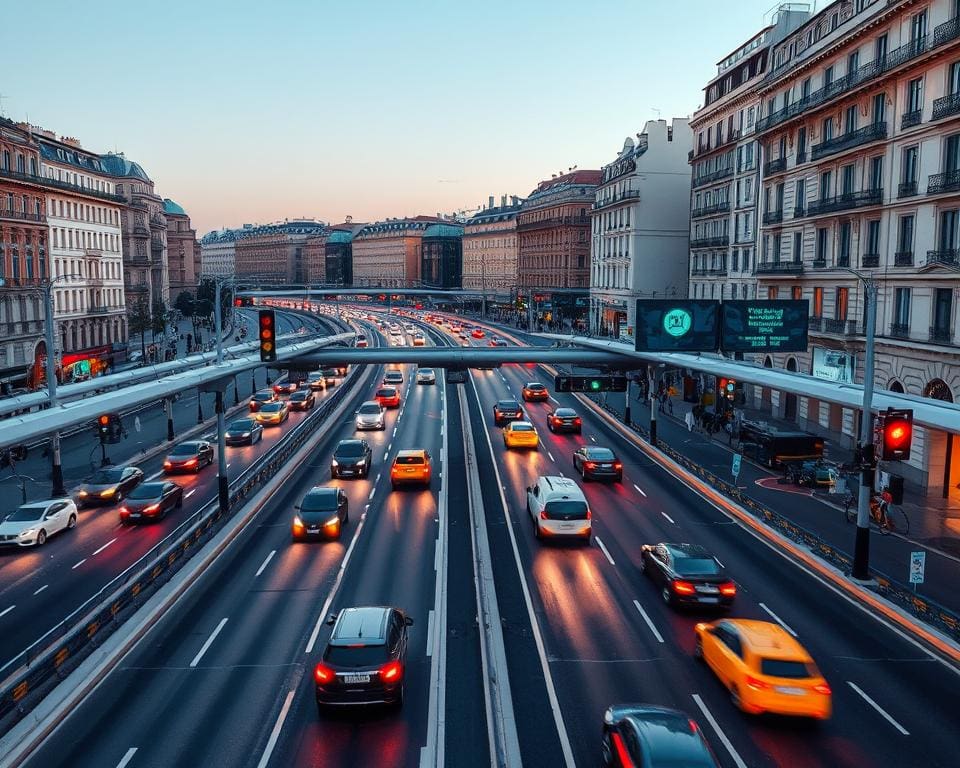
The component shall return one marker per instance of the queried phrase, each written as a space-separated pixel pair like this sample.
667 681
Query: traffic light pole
223 485
861 547
168 404
56 471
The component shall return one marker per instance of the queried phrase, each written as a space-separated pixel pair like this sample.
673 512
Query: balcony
946 106
946 258
139 204
775 166
799 212
943 182
864 74
773 217
708 210
136 289
552 221
22 216
910 119
843 262
94 282
839 327
138 260
711 242
900 330
801 156
709 178
629 194
93 252
941 335
944 33
845 202
43 181
819 263
907 189
21 282
745 239
903 259
849 140
99 310
779 268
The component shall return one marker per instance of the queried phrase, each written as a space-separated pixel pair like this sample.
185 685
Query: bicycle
883 515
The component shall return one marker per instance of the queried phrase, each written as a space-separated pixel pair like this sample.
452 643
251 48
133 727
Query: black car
109 485
688 575
564 420
151 501
505 411
301 400
191 456
351 458
365 659
322 514
594 462
647 736
243 432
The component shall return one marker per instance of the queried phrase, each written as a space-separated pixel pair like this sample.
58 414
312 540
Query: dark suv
365 658
322 514
351 458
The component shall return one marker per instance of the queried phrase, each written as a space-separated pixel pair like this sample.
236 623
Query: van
558 508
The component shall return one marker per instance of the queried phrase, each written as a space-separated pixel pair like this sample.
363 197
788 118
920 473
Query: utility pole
861 549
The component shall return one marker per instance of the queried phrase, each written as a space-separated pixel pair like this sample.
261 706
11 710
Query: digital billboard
771 325
680 325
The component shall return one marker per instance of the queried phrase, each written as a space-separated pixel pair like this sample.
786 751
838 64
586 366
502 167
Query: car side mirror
332 619
296 507
529 489
408 621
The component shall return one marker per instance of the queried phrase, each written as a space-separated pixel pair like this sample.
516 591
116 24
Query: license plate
708 590
604 466
709 600
346 471
353 679
410 471
790 691
134 514
314 529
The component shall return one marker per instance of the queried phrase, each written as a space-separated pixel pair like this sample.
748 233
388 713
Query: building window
797 247
873 237
880 49
901 308
818 302
772 292
842 304
826 183
915 95
948 230
847 179
952 154
954 84
828 76
879 108
801 144
823 235
827 128
845 235
876 172
850 119
942 311
911 157
918 26
905 235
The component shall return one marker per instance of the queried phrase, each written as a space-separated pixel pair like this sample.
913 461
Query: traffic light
598 383
109 428
897 434
238 302
103 427
268 336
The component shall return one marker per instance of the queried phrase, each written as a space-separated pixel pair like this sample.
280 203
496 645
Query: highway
225 678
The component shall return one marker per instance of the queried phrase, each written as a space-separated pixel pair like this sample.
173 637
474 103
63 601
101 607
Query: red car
388 397
534 390
477 333
262 398
286 387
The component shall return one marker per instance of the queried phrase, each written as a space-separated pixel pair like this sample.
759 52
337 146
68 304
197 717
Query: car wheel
583 475
333 474
550 426
735 698
667 597
179 503
620 478
698 649
41 538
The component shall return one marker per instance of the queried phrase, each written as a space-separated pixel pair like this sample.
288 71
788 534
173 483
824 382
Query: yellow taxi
520 434
411 466
273 414
764 668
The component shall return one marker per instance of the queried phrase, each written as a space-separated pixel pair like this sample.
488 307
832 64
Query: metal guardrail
48 660
902 595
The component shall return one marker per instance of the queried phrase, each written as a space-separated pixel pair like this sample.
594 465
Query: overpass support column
56 473
168 407
626 405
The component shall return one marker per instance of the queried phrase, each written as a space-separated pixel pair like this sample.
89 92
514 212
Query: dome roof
443 230
118 165
172 208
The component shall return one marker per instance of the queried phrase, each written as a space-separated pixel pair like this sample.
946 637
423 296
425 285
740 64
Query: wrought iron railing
865 135
845 202
943 182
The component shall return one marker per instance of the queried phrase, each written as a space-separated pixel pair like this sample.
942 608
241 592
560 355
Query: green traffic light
595 385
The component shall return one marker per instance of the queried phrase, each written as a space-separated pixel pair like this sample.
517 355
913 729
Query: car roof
518 423
769 640
687 550
593 450
508 401
561 486
668 735
565 410
386 390
322 490
533 384
366 626
351 441
412 452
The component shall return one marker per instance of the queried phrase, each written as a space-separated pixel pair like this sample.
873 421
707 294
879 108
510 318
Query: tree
158 321
139 322
185 303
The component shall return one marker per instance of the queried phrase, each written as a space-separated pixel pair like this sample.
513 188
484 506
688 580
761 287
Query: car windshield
517 427
409 459
600 454
349 449
319 502
107 476
298 396
386 392
185 449
26 513
696 566
146 491
508 405
796 670
272 408
426 371
535 387
394 376
356 656
263 396
370 409
240 425
565 413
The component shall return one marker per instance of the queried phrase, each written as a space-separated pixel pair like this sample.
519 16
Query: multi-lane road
225 678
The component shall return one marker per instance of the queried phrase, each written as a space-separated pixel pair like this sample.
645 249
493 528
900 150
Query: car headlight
245 434
332 521
107 493
361 462
28 532
83 494
335 463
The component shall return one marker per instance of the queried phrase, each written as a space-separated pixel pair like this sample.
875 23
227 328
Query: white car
370 415
33 523
557 507
426 376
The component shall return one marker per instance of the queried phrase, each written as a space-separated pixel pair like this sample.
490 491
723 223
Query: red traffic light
104 420
238 302
897 435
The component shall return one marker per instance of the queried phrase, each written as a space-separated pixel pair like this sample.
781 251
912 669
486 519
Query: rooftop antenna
654 109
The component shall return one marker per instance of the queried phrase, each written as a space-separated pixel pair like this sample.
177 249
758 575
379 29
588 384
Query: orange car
388 397
411 466
477 333
764 668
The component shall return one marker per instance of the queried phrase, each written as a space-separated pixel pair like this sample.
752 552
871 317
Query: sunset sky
256 111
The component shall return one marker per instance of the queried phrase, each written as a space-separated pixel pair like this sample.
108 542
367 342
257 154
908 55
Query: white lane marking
77 565
872 703
275 733
127 757
668 517
551 456
206 645
389 446
98 551
718 561
639 490
720 734
5 611
777 619
336 585
605 550
593 438
554 399
395 430
155 475
265 563
189 493
41 589
372 491
228 465
430 620
647 619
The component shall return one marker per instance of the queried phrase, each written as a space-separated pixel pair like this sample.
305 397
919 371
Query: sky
251 112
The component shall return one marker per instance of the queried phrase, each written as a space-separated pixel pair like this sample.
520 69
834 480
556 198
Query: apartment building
490 247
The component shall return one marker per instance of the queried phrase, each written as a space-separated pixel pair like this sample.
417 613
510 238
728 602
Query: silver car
370 415
426 376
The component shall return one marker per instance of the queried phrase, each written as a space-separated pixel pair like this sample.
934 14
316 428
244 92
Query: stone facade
490 248
183 250
274 253
387 253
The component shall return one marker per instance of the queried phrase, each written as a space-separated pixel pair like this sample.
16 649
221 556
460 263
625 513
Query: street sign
918 563
736 466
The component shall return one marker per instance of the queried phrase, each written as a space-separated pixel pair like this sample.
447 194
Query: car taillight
683 588
577 420
323 674
754 684
544 515
618 465
589 513
822 688
729 589
391 672
167 465
623 756
124 512
151 509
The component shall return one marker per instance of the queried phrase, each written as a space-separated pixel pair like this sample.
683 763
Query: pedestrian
689 421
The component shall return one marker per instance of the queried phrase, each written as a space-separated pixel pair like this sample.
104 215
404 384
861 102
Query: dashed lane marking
125 760
647 619
265 563
77 565
41 589
98 551
738 761
886 716
668 517
777 619
640 490
209 642
604 549
5 611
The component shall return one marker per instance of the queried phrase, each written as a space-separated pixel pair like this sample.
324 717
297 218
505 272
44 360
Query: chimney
490 202
503 201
